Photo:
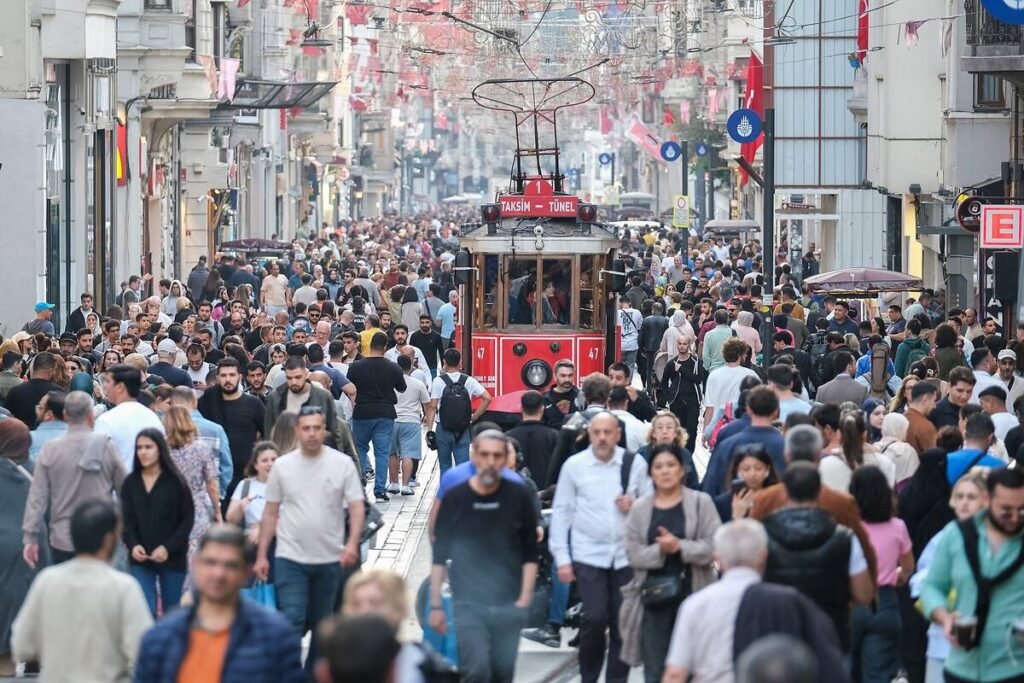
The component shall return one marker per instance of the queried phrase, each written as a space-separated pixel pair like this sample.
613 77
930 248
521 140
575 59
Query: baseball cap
68 337
42 306
1007 353
166 346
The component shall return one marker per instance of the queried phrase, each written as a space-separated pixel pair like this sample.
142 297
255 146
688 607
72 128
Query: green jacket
903 353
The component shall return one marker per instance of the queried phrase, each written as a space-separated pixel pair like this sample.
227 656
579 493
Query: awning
255 94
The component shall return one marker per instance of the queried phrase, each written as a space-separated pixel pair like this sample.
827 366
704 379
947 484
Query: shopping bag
262 593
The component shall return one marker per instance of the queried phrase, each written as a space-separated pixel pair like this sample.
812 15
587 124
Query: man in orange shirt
921 433
190 645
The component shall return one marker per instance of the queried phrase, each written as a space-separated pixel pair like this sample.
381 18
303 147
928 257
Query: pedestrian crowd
195 476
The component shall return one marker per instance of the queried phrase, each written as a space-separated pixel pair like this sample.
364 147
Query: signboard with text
680 211
538 201
1002 226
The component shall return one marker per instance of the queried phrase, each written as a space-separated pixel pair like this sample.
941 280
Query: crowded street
512 341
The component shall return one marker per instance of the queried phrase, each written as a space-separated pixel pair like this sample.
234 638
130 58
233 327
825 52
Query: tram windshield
538 291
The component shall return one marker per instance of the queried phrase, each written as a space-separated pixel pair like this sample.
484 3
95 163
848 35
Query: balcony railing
984 30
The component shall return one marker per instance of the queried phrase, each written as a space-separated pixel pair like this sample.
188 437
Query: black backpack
456 405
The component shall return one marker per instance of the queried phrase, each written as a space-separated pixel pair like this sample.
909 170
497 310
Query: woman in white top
894 446
837 466
248 502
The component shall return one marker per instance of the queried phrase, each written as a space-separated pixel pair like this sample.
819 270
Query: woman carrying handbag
668 542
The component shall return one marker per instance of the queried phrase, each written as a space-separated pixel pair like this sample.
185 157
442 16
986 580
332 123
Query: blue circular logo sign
744 125
670 151
702 149
1006 11
604 158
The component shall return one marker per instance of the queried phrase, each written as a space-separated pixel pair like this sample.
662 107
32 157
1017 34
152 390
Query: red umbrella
863 281
507 403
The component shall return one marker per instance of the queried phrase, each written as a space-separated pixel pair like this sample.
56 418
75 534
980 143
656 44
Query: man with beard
980 560
239 414
428 341
297 393
401 339
640 405
564 397
255 380
487 529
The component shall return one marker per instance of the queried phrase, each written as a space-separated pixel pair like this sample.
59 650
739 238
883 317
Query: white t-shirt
1004 422
273 287
472 386
123 423
314 493
200 374
836 473
724 385
258 492
392 355
629 326
410 402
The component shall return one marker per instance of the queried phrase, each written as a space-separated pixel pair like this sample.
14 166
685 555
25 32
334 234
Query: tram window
522 285
491 275
556 303
588 283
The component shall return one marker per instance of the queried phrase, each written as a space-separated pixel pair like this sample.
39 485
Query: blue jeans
875 656
378 431
171 582
559 599
448 447
306 594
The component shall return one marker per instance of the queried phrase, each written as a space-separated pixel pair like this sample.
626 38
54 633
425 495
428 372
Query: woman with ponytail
838 465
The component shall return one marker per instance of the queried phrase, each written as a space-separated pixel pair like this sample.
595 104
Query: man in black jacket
640 404
76 320
781 346
809 551
564 397
536 440
651 331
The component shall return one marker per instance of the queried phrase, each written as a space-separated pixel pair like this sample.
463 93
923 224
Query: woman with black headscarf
15 575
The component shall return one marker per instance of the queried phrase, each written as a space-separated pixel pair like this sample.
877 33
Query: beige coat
701 522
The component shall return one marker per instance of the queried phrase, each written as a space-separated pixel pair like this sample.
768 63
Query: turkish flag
862 30
605 120
755 101
667 116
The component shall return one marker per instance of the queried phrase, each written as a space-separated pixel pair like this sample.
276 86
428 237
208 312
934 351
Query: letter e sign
1002 226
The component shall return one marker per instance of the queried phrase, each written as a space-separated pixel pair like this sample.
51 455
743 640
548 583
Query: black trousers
950 678
488 639
601 594
688 414
656 636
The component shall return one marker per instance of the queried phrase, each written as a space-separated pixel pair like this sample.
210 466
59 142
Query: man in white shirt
723 384
101 641
636 429
407 442
274 293
993 402
400 333
629 324
983 365
128 417
307 495
592 503
1013 382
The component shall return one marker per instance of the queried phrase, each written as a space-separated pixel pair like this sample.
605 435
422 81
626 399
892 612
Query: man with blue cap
41 323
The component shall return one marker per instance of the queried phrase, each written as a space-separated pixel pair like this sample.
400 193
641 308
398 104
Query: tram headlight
536 374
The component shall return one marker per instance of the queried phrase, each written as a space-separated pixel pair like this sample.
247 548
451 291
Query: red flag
605 120
645 138
755 101
121 162
862 30
242 3
667 116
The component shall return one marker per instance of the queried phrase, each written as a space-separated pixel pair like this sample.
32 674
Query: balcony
994 47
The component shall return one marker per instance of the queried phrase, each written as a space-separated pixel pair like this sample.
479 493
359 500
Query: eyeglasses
310 410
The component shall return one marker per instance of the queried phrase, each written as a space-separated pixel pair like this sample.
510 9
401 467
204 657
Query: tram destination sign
523 206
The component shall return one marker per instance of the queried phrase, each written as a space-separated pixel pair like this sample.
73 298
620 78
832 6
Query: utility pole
768 234
684 158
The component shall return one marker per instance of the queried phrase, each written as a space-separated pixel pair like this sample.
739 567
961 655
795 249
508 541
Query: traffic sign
702 149
1002 226
604 158
744 125
611 195
968 213
670 151
1006 11
680 211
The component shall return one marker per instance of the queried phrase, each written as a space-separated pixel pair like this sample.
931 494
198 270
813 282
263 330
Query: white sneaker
394 488
407 491
413 483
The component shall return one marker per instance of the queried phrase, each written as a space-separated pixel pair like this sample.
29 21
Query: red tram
537 274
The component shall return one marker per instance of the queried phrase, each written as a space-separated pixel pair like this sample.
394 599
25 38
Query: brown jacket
921 433
840 505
